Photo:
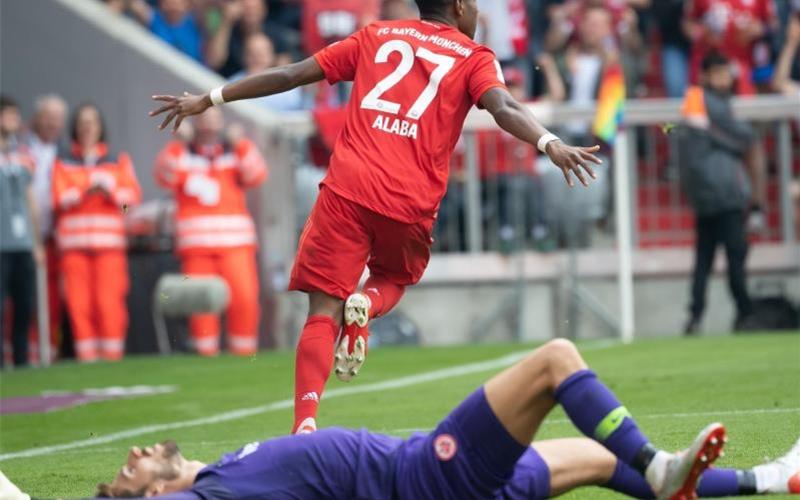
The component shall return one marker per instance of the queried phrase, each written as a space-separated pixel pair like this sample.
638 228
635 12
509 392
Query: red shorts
341 237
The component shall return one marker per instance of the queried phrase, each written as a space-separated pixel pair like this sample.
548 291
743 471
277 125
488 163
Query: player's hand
178 108
574 159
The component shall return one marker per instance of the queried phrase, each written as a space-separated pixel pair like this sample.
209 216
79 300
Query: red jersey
414 83
329 21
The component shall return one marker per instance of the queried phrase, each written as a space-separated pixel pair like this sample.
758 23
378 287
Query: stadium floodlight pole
622 208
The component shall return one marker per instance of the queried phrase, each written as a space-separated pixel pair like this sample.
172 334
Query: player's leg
400 254
204 329
239 268
331 256
554 467
314 358
383 295
524 394
781 476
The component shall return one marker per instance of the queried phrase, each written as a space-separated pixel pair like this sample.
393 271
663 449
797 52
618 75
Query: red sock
383 295
313 365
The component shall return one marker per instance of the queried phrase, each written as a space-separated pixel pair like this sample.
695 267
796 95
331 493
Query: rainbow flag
610 104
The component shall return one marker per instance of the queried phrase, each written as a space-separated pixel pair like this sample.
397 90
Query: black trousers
18 283
727 229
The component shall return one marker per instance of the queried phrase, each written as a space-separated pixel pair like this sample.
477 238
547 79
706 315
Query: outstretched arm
272 81
517 120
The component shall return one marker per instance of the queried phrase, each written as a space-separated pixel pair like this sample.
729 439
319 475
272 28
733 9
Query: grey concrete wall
446 314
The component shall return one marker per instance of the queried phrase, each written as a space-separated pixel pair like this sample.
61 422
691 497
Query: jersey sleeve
339 60
486 74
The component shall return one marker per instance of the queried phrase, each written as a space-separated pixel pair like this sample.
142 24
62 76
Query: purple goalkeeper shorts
469 455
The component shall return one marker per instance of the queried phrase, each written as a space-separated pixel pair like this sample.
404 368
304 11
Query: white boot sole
347 365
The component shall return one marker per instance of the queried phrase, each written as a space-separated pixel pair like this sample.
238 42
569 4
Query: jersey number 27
443 66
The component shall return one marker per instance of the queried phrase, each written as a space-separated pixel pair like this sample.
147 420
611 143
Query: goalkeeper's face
147 472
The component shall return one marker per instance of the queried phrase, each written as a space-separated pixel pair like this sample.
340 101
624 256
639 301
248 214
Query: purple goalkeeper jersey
468 456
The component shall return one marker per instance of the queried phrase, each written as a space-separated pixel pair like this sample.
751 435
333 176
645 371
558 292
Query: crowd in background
554 50
661 42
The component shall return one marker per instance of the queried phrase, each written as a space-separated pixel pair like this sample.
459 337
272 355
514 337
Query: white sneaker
307 426
781 475
678 480
352 349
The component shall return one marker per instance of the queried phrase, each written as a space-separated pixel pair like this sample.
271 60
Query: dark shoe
692 327
747 323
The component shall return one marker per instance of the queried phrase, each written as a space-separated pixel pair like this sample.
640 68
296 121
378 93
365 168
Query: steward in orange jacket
215 233
91 192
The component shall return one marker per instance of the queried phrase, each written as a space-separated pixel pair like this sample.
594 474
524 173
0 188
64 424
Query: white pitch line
285 404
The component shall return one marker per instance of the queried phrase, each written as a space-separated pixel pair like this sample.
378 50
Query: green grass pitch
673 387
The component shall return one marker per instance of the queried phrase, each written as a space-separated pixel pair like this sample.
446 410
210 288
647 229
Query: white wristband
545 140
216 96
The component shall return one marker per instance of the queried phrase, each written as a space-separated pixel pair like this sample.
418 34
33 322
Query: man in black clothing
713 174
19 237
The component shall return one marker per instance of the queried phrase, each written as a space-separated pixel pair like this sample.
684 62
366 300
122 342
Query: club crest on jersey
396 126
445 447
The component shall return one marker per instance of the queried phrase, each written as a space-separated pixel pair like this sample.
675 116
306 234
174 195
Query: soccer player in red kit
414 83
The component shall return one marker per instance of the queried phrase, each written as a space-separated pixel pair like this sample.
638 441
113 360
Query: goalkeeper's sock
713 483
312 366
597 413
383 295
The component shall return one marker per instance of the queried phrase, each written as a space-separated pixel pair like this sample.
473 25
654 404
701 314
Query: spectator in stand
92 190
788 60
393 10
240 19
173 21
20 249
503 27
329 21
568 16
215 232
259 56
732 28
675 46
47 127
50 116
713 148
585 58
509 179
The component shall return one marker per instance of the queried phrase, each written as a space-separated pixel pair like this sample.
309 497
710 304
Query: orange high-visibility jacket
209 184
90 198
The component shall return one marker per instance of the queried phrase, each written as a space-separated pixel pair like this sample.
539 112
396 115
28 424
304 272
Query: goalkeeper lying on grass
481 450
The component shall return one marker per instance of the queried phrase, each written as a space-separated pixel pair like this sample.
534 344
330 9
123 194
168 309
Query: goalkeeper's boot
678 480
782 475
352 349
